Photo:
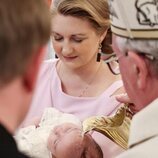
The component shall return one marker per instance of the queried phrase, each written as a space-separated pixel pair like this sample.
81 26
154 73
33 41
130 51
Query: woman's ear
107 42
139 69
102 37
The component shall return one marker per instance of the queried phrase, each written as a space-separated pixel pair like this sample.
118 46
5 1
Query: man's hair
24 27
142 47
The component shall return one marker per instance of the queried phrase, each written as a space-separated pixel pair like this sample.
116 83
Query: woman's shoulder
117 86
114 85
47 67
48 64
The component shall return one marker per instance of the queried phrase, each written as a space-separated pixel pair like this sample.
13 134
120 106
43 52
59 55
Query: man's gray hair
149 47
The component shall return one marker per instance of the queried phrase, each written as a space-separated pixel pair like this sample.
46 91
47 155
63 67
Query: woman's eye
78 40
57 38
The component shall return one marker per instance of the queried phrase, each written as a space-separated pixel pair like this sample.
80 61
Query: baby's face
66 141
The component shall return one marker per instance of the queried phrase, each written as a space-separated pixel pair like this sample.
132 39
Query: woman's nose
66 49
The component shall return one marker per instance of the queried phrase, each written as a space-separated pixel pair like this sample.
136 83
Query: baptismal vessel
114 127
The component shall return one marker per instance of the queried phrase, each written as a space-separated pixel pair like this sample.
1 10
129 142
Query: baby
58 135
67 141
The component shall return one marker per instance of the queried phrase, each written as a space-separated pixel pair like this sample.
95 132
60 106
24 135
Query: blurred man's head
135 42
24 32
24 28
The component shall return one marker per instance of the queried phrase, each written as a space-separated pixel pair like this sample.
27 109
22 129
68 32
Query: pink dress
49 93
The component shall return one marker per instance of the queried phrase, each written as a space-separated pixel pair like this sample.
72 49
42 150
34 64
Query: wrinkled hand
123 98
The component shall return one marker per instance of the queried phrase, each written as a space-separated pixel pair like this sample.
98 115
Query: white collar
144 124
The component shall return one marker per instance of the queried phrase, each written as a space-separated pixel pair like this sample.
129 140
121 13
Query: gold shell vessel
114 127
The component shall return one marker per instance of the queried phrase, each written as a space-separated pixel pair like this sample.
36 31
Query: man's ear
32 69
139 69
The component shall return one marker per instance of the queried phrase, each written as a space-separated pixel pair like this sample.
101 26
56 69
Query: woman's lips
70 58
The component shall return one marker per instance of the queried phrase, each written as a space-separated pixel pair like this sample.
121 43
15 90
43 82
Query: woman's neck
88 80
82 71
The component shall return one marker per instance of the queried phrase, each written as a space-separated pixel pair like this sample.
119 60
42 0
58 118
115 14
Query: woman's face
75 41
66 141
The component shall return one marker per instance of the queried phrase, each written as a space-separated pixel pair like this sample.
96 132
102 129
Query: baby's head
66 141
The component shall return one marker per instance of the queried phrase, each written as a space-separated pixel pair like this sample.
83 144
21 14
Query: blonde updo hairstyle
94 11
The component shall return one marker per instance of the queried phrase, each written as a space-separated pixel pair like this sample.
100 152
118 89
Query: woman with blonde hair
79 82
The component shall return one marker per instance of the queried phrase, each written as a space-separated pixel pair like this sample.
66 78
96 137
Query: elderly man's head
135 42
